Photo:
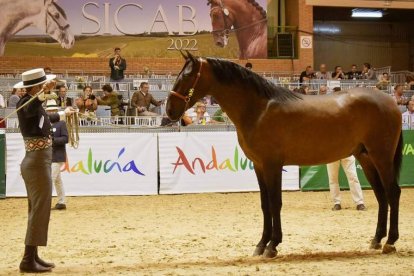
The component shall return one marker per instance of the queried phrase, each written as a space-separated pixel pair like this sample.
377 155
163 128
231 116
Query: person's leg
333 170
57 180
348 164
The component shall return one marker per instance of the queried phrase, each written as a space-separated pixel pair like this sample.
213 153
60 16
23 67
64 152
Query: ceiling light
366 13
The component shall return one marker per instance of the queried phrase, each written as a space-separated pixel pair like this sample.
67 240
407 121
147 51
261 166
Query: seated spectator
63 100
2 103
398 96
368 73
410 81
338 74
110 98
248 66
142 100
307 75
304 89
15 97
323 90
354 74
199 116
409 114
323 74
384 82
87 103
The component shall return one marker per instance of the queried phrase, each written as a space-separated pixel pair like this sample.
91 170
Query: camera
91 97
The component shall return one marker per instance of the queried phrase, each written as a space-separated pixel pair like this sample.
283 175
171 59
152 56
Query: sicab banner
195 162
141 28
104 164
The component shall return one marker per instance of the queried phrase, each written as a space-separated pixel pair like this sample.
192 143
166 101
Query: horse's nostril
219 44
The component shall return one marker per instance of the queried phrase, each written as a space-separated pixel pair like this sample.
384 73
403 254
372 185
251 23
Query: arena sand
208 234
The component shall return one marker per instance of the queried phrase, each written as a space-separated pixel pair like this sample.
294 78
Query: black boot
41 262
29 264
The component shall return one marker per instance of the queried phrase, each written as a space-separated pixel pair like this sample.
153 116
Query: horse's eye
57 15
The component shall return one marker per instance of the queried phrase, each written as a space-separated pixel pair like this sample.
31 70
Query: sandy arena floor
208 234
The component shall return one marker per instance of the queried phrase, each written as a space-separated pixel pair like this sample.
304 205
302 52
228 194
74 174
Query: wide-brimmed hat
34 77
51 105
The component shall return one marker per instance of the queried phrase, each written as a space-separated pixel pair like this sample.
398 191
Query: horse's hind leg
374 179
267 218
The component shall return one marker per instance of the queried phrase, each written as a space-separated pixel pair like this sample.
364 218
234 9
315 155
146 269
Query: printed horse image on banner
46 15
247 19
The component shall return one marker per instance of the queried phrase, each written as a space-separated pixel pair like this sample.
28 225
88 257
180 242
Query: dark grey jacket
60 138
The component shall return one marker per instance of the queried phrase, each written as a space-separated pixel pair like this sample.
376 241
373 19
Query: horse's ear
183 54
190 56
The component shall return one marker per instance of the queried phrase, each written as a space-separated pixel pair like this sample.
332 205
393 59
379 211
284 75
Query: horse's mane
252 2
229 72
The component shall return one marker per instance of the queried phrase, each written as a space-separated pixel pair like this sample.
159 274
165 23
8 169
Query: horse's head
188 88
222 19
56 24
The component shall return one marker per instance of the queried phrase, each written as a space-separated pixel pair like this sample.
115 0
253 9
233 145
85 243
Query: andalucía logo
92 165
192 165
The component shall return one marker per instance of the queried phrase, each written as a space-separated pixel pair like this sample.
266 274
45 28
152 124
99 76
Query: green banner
2 165
314 178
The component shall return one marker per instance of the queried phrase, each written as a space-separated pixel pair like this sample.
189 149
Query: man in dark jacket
117 65
59 141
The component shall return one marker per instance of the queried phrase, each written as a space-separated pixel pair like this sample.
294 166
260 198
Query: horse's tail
398 157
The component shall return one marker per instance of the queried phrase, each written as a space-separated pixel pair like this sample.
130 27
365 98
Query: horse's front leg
273 180
267 218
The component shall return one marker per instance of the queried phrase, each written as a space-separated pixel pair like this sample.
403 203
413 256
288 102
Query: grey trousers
37 176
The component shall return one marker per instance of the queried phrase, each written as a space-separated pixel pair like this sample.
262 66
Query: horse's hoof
270 253
375 245
388 249
259 251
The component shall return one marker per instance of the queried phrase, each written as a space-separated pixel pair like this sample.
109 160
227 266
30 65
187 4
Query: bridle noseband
61 22
187 98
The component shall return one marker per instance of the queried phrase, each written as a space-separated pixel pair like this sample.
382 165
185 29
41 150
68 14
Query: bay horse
46 15
247 19
277 127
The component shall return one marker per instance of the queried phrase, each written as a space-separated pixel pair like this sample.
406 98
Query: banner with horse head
142 28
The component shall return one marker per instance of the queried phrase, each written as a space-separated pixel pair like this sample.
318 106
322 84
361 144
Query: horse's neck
251 40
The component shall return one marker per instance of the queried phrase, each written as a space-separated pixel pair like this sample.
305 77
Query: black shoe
361 207
41 262
336 207
29 264
60 206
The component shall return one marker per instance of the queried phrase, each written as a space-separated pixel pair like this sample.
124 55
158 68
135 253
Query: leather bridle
186 98
61 22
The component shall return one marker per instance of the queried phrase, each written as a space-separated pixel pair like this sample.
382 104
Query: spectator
409 114
2 103
220 116
117 65
143 99
338 74
48 70
336 89
354 74
368 73
87 103
323 74
323 90
398 96
110 98
410 81
59 140
348 164
248 66
304 89
307 75
384 82
200 116
15 97
63 101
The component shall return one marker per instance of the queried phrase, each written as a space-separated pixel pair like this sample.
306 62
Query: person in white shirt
199 115
408 116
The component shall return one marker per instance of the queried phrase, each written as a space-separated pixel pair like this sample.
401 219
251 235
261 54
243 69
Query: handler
35 168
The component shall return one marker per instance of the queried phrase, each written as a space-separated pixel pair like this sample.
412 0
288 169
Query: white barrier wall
104 164
127 164
194 162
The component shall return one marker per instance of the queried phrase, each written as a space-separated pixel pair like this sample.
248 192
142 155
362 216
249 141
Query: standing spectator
117 65
63 100
338 74
409 114
368 73
323 74
249 66
354 74
398 96
348 164
15 97
307 75
59 140
110 98
143 99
